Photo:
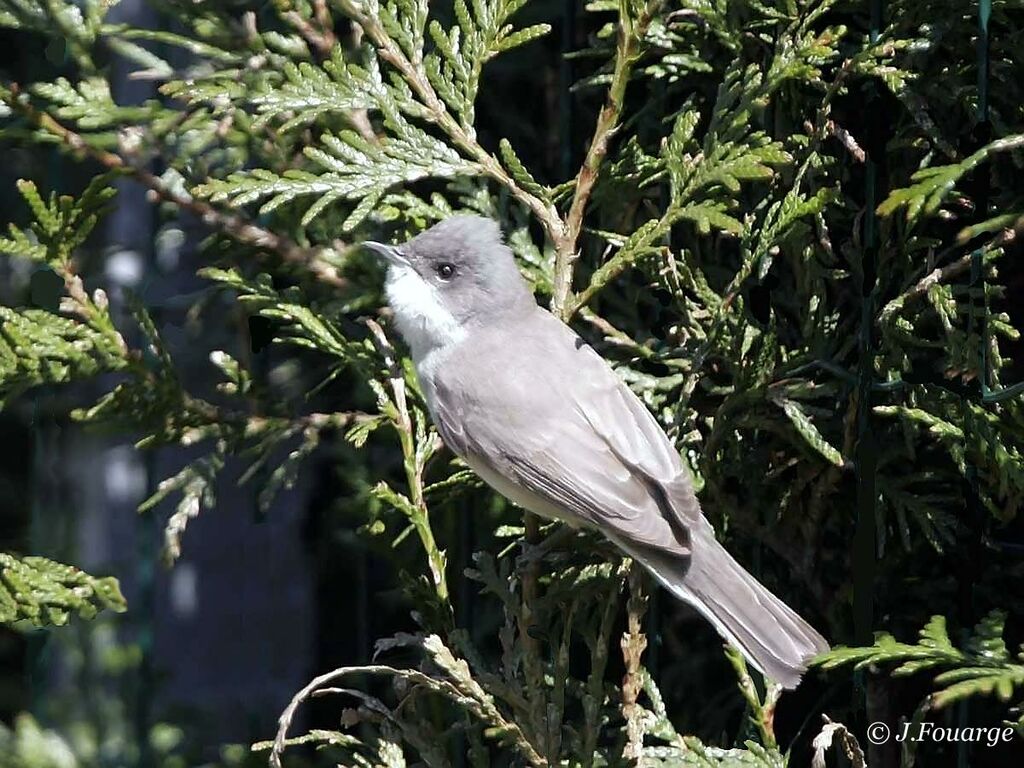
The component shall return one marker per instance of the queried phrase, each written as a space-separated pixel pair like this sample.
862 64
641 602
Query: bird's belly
520 496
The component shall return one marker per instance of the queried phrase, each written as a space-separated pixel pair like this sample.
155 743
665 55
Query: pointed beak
389 253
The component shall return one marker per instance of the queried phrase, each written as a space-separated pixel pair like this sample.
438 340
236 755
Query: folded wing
561 424
557 431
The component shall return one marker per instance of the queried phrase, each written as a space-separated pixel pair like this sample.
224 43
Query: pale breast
428 367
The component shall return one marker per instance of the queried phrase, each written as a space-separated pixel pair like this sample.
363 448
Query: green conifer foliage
43 592
775 276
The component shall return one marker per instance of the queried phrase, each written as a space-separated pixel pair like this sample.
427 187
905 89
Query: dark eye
445 270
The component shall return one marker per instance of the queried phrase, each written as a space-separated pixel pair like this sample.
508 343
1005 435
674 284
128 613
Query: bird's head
449 278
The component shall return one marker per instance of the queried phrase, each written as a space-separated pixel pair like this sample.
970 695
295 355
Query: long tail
768 632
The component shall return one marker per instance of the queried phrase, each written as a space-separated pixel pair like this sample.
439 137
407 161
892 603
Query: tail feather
769 633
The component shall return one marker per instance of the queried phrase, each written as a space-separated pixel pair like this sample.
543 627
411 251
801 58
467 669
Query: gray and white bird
546 422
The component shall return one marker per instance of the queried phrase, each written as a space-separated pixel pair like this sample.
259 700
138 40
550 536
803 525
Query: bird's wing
555 420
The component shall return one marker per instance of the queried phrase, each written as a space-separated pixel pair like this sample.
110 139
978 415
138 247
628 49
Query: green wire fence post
977 328
865 533
866 452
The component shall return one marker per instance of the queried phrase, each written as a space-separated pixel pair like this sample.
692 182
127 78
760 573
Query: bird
544 420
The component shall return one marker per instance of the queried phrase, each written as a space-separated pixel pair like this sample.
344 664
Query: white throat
426 324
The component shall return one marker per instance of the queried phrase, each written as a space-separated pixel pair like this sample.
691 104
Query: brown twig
484 710
414 75
627 49
564 234
614 335
846 139
634 643
920 288
321 35
231 224
360 118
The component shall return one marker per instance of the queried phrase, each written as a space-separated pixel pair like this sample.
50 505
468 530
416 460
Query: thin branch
417 79
564 234
920 288
627 49
230 224
761 713
319 35
415 454
846 139
482 710
614 335
319 421
634 643
360 118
